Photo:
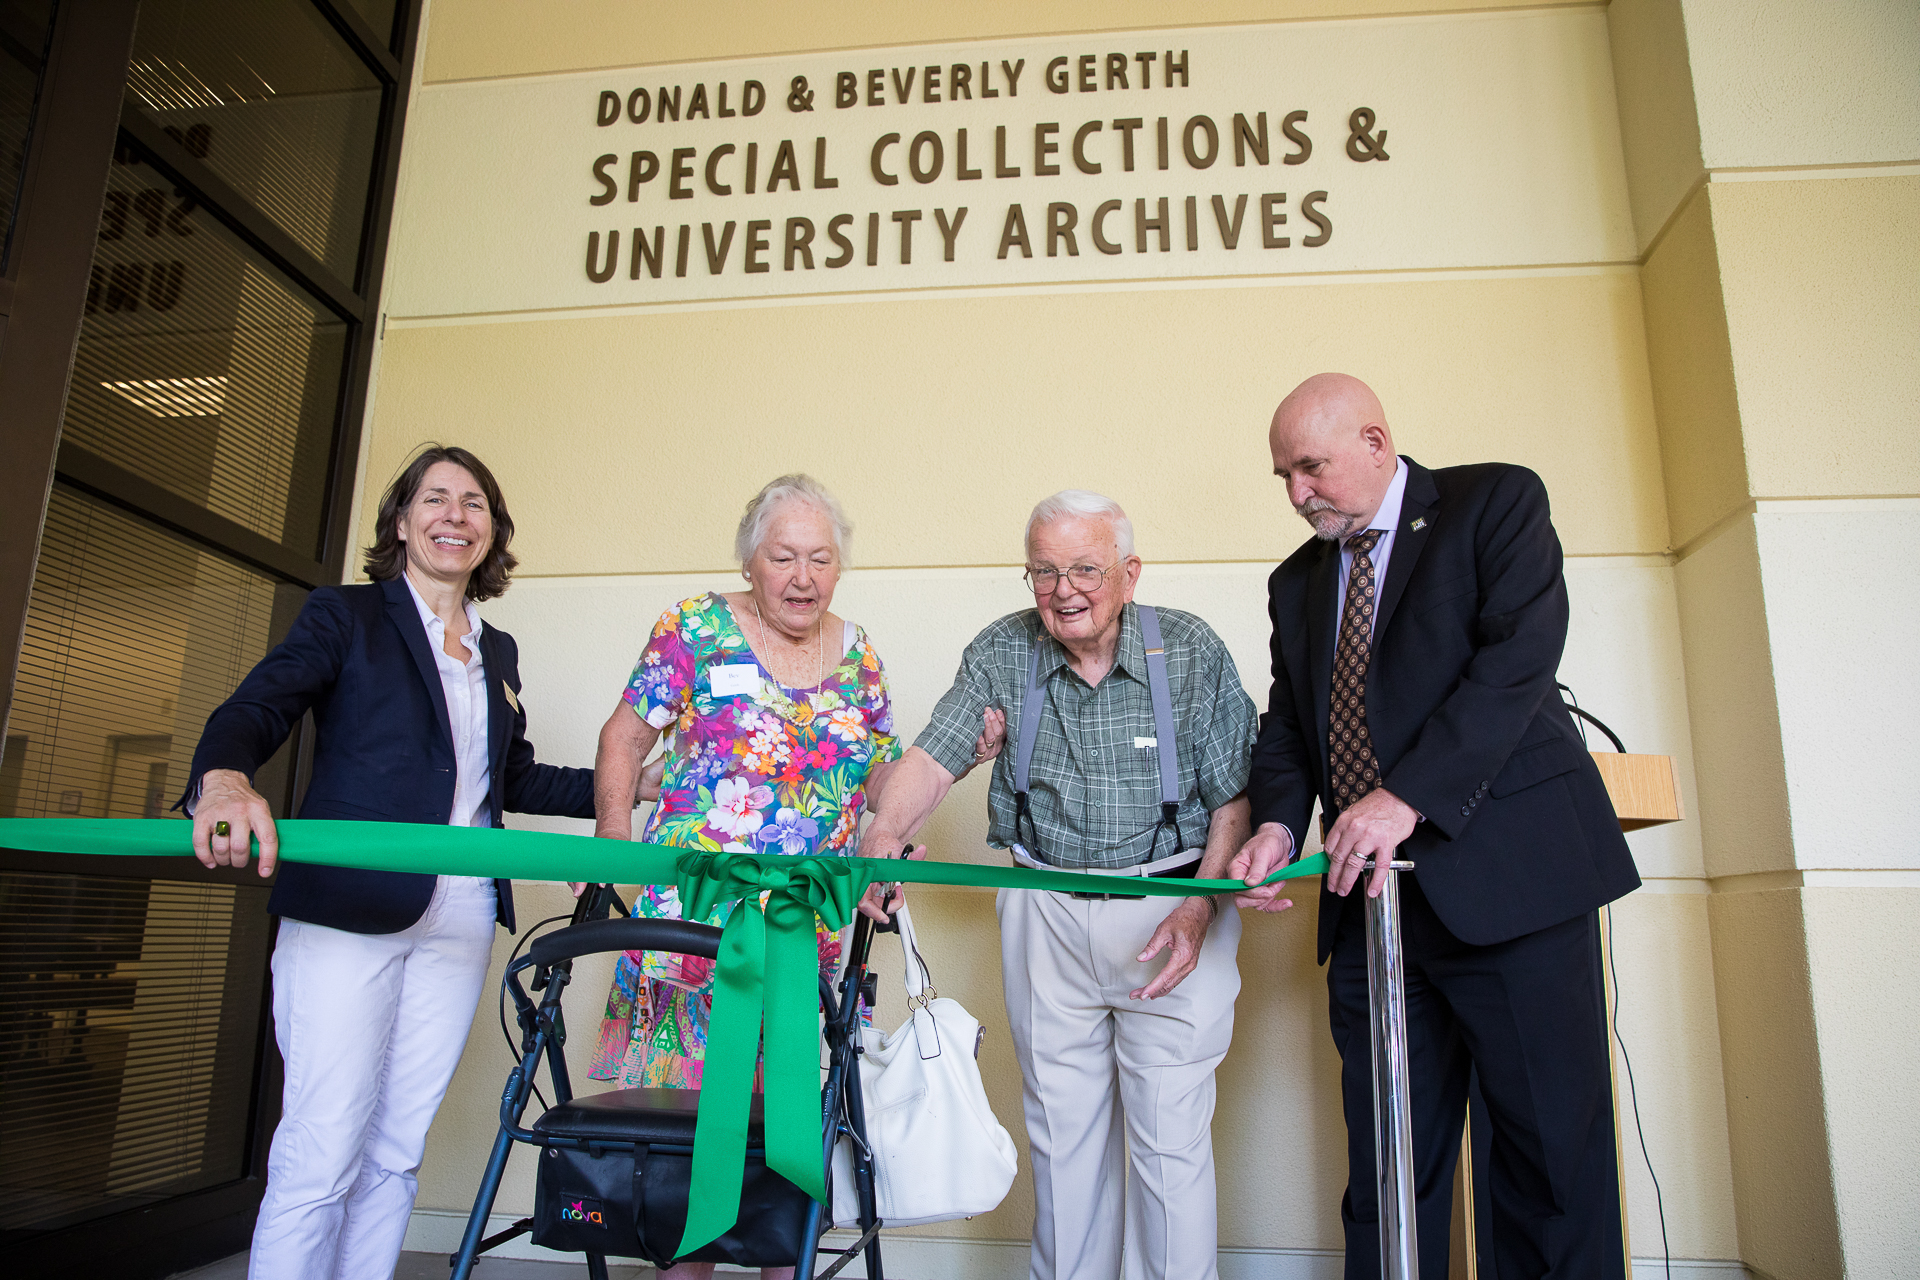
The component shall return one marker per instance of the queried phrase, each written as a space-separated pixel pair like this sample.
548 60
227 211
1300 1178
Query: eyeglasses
1082 577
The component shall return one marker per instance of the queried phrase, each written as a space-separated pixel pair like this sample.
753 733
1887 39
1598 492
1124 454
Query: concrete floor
433 1266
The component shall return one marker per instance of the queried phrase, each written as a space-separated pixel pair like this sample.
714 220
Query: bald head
1328 401
1331 445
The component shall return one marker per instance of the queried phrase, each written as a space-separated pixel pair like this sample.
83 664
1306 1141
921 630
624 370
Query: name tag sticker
1146 742
733 679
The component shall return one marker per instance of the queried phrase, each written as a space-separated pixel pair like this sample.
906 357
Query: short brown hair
387 557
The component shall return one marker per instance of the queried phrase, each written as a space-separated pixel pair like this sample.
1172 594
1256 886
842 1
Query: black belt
1180 870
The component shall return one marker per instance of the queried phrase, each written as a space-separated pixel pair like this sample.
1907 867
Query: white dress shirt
1387 518
465 685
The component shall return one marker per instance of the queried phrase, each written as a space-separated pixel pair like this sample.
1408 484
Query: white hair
790 488
1083 504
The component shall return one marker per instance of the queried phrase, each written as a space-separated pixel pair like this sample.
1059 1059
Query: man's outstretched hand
1266 852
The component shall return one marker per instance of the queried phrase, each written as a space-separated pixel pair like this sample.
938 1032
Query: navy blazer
1461 707
359 658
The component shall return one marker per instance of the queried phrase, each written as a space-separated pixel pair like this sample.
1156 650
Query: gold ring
222 828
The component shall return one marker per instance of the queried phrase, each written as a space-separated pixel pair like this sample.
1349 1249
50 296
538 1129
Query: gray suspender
1164 746
1029 729
1162 714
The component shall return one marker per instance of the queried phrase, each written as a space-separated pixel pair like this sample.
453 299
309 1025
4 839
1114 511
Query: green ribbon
769 966
768 970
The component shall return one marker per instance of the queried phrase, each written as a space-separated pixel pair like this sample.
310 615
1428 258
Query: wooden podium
1645 791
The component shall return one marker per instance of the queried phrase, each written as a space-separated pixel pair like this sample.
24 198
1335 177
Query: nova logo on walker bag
587 1211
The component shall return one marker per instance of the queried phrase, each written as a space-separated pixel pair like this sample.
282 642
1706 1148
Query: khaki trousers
1118 1092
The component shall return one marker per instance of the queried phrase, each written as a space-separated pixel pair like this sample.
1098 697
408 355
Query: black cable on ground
1613 973
1666 1251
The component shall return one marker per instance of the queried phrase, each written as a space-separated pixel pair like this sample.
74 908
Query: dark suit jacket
1461 706
359 659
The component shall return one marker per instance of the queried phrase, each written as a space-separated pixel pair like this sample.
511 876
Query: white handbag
938 1151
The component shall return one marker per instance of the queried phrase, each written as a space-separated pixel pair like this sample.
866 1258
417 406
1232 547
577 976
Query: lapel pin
1419 524
511 700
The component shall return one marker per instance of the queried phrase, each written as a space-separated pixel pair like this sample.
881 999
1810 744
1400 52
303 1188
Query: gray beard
1330 532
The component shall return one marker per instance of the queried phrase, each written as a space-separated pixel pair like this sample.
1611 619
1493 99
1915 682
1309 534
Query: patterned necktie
1349 747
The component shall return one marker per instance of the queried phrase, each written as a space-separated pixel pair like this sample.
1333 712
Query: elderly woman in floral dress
781 736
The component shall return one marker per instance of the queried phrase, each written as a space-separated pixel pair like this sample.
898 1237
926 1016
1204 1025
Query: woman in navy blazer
376 974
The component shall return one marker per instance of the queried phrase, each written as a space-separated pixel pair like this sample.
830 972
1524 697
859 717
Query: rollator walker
615 1167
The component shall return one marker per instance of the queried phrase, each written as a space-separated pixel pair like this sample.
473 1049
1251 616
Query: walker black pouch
634 1205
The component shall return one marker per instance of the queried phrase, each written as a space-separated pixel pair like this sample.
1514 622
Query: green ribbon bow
768 970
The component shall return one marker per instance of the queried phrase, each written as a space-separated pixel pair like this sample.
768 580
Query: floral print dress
753 767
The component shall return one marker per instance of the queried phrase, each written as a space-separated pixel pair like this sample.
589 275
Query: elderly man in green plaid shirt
1121 1009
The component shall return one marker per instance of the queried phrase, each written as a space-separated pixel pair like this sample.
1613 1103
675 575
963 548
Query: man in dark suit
376 974
1416 638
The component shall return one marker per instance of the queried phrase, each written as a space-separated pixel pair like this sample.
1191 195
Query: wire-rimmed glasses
1044 581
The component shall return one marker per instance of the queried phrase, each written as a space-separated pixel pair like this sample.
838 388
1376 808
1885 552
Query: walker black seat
616 1171
656 1117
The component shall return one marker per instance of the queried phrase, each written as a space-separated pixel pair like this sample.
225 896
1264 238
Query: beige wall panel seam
936 293
1755 882
1671 886
1817 172
1800 503
1707 536
1734 717
1805 173
1380 10
1659 126
1691 365
1679 211
1481 10
1838 503
1622 559
1816 879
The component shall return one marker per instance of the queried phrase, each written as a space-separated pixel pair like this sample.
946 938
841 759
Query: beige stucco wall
1654 86
1098 390
1868 1032
1718 420
1823 326
1785 348
1779 83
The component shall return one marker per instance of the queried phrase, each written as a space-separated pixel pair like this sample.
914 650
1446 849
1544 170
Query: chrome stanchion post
1392 1106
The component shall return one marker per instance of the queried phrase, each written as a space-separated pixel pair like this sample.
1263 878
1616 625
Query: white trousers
371 1027
1118 1092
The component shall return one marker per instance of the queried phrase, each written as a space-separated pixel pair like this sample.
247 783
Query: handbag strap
916 979
919 985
